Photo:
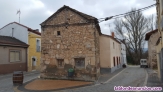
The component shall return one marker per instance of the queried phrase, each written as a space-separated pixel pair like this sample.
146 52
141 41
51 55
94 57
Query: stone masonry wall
152 59
75 41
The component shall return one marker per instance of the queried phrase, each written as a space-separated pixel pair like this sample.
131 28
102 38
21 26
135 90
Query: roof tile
6 40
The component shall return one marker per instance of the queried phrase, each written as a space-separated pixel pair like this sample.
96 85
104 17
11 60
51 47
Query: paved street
6 84
131 76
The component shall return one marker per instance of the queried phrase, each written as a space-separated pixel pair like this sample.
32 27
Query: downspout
94 26
26 59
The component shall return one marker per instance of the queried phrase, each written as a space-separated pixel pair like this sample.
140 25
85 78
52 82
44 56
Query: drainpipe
95 53
26 59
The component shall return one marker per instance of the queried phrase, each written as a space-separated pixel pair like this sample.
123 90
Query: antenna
18 12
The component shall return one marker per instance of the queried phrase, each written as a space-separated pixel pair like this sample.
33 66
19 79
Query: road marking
114 76
30 74
30 79
110 78
146 78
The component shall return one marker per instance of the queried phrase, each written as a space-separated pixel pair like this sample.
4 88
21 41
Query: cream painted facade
110 54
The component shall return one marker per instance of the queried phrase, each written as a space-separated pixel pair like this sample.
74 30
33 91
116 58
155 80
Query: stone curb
22 87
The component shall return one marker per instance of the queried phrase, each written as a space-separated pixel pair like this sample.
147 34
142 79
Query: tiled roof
29 29
120 40
111 38
147 36
88 17
80 13
11 41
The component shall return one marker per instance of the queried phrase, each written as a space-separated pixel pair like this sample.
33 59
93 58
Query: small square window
60 62
80 62
58 33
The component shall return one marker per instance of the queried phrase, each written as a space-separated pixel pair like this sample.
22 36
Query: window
60 62
113 45
14 56
58 33
38 45
80 62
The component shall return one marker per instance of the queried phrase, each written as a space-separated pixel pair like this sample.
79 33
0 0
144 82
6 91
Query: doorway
33 63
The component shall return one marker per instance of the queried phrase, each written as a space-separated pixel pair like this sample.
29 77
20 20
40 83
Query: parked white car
143 63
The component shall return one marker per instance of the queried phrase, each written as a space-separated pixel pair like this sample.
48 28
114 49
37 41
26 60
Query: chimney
12 32
112 34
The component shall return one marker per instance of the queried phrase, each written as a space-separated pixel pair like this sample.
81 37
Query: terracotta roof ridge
111 37
148 34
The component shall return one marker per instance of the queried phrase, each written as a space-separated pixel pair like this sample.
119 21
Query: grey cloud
32 15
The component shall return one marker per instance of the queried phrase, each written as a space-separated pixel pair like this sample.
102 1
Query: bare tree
152 22
133 28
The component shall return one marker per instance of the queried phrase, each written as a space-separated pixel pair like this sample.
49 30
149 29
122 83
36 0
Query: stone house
152 38
13 55
70 39
29 36
110 54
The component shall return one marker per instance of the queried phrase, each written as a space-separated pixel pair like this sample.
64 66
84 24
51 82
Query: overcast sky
34 12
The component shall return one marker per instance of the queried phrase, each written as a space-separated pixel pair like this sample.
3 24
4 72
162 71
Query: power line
123 14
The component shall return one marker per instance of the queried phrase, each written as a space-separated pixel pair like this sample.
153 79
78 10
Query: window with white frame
38 45
14 55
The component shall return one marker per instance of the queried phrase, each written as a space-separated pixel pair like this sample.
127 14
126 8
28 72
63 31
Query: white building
16 30
123 53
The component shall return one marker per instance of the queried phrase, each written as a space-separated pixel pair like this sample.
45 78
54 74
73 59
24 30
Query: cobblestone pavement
6 82
131 76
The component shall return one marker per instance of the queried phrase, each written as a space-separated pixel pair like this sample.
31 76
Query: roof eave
14 45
